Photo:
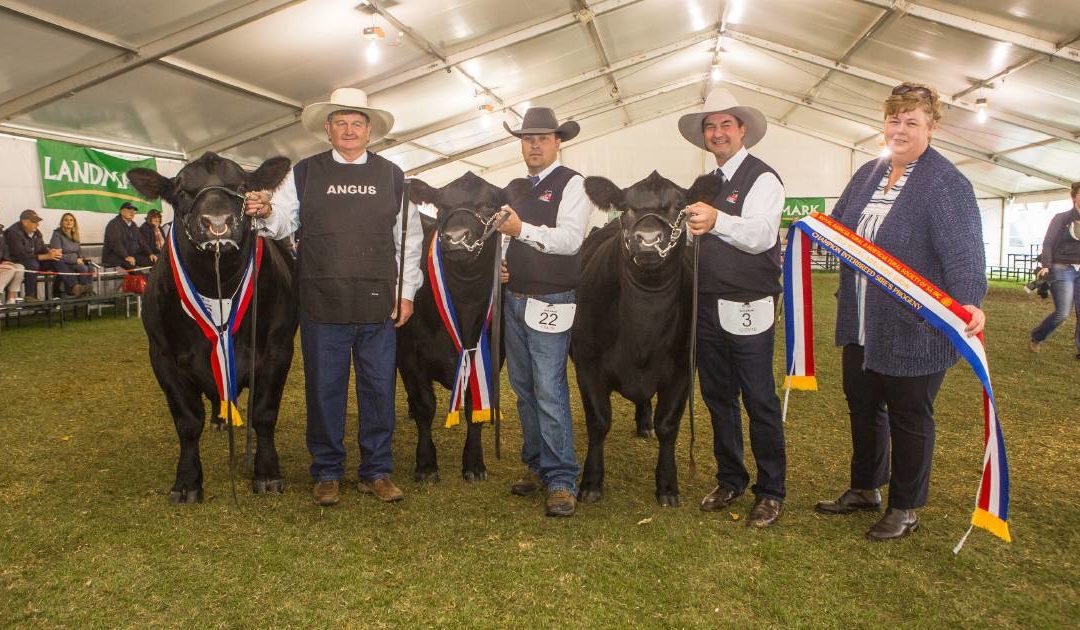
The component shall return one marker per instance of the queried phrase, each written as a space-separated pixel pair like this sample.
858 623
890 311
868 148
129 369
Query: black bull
425 351
208 221
632 328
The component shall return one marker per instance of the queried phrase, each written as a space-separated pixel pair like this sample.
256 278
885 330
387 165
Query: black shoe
529 483
765 512
851 501
719 498
895 524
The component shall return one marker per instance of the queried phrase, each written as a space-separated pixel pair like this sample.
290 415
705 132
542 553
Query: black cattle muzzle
217 227
660 246
489 226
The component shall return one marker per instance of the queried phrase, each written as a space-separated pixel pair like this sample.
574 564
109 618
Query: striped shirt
869 221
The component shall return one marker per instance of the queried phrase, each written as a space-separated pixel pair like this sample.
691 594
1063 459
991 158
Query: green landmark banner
78 178
796 208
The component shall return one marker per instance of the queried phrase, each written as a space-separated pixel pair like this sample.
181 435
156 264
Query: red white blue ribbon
474 364
920 296
218 329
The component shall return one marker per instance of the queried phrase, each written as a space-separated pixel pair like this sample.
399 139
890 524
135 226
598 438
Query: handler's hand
504 273
153 258
702 218
406 307
512 225
1042 272
257 204
978 320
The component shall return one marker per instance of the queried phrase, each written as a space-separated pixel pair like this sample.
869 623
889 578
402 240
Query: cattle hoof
178 497
589 496
431 476
473 477
668 500
268 486
646 433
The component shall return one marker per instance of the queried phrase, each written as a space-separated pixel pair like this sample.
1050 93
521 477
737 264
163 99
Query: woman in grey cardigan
918 207
66 239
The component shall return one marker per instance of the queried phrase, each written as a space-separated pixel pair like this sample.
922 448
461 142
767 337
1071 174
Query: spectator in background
123 246
152 234
26 247
11 274
66 239
1060 263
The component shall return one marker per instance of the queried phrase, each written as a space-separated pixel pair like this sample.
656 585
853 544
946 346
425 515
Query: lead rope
250 428
693 356
226 378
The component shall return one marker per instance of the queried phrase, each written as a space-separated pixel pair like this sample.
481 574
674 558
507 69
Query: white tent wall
20 188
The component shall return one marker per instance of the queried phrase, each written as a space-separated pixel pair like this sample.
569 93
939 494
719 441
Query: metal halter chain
677 226
491 224
237 194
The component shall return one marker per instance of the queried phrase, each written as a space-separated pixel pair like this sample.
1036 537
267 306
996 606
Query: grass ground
87 537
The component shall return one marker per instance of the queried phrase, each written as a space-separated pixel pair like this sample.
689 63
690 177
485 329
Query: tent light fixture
981 114
715 73
374 33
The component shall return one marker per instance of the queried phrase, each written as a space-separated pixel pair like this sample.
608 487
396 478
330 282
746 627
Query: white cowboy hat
721 101
352 99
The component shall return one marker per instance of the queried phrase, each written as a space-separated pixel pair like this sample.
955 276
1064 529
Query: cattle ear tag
549 318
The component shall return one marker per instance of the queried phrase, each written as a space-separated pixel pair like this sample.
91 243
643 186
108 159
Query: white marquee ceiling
178 78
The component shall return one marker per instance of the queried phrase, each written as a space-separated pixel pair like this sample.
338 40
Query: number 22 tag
549 318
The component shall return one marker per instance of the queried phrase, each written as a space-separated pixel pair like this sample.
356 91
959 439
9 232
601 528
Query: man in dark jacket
26 246
123 246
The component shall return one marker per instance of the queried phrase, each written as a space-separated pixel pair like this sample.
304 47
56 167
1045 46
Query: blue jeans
536 363
1065 287
327 349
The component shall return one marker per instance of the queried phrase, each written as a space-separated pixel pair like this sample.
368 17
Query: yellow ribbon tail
804 383
237 421
452 419
991 523
481 415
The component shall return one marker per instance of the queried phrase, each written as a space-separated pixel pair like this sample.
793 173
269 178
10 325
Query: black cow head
468 213
207 196
652 221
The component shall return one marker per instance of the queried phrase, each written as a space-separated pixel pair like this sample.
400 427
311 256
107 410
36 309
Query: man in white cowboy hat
738 285
345 205
547 225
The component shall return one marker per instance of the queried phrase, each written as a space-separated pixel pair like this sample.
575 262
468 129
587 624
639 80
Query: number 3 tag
549 318
746 318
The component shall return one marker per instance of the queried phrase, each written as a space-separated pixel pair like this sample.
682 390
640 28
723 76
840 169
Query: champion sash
474 364
920 296
218 329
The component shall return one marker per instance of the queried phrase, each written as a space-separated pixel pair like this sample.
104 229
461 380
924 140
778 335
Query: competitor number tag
746 318
549 318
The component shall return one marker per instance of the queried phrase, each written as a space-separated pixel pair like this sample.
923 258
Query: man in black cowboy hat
123 246
547 226
345 205
738 285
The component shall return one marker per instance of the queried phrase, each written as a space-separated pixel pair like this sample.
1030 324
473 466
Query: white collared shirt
759 226
285 220
573 217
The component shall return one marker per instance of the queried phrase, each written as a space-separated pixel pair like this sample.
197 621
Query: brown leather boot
560 502
383 489
529 483
325 492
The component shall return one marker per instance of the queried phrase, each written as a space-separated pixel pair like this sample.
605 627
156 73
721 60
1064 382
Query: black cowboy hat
542 120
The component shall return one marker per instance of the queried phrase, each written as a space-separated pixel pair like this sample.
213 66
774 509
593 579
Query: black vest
533 272
346 263
726 271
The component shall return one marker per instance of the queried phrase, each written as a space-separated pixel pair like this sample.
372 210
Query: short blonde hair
909 96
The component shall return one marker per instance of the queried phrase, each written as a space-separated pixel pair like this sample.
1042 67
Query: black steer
209 222
425 351
632 328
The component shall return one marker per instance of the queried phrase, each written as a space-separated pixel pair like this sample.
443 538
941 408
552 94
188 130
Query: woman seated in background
1060 260
151 233
66 239
11 275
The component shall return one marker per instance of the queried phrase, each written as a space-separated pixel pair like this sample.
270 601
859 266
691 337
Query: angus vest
727 271
533 272
346 264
